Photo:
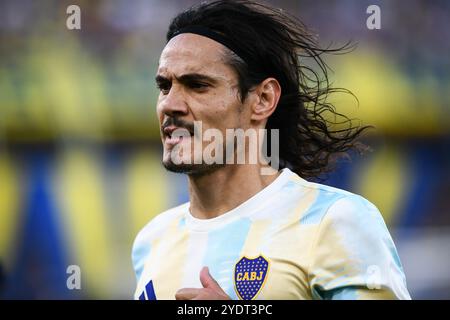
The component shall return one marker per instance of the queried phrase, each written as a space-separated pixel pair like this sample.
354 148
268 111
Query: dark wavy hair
276 44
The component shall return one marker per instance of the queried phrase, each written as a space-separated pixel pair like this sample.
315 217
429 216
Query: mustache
177 122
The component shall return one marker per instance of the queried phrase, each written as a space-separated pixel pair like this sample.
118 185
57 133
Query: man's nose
174 103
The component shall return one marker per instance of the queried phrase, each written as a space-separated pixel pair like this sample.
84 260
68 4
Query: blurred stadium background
80 169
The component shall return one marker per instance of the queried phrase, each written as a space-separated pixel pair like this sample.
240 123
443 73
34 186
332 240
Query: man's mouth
173 140
172 137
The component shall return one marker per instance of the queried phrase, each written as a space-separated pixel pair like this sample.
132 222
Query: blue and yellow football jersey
293 240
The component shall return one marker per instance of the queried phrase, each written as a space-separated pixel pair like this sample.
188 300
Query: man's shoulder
152 230
162 221
158 225
344 199
322 200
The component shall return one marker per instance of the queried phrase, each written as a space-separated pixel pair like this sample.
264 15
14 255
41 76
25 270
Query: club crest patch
250 276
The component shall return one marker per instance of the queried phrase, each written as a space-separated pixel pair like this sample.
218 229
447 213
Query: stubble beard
192 169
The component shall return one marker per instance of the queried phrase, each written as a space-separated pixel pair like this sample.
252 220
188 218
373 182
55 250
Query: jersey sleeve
140 251
353 255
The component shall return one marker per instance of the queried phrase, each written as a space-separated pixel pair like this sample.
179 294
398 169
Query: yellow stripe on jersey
173 236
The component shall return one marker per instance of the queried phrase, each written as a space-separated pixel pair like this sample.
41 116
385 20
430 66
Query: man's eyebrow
189 77
160 79
193 77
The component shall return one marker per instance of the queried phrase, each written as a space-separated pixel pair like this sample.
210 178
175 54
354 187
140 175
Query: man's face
195 85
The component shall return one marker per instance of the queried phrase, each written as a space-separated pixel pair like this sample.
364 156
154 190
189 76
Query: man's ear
268 94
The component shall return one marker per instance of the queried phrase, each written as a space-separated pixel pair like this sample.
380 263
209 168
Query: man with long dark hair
257 229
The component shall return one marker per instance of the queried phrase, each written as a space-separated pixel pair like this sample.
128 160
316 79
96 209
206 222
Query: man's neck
216 193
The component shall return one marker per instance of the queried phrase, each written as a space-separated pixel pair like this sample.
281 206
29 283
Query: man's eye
198 85
163 87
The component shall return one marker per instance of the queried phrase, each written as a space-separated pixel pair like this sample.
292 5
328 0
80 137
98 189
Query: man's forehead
191 53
